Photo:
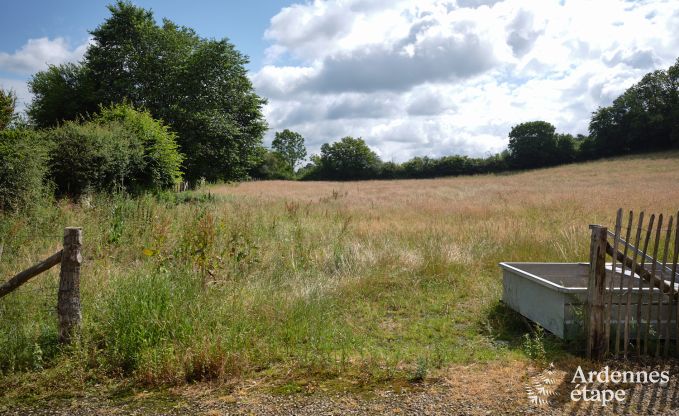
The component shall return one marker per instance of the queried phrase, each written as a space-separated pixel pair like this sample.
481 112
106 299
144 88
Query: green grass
380 282
176 292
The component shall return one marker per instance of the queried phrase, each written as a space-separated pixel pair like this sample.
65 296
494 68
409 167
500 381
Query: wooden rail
68 298
643 273
23 277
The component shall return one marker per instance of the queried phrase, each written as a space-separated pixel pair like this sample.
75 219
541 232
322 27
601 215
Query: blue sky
425 77
243 22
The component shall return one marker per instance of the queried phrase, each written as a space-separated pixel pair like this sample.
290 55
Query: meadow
355 282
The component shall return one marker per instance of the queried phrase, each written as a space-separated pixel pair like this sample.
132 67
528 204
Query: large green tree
61 93
532 144
348 158
645 117
565 148
290 145
198 86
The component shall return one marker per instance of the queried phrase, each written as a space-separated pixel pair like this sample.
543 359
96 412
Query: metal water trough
553 295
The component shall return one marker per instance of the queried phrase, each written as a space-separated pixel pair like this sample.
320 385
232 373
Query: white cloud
440 76
37 54
20 89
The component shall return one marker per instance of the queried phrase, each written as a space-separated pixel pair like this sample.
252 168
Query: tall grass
367 280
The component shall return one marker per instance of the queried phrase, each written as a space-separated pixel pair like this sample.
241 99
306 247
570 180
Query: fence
632 302
68 299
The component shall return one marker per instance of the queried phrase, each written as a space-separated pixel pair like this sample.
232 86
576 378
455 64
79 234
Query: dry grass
551 206
647 182
368 281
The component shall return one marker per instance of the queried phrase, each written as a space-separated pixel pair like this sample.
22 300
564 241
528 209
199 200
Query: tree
604 133
645 117
418 167
565 148
348 158
532 144
198 86
290 145
61 93
391 170
8 101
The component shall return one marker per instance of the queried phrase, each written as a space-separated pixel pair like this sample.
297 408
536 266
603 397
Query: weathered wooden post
596 291
68 306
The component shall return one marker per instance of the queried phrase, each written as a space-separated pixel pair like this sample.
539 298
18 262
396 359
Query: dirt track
464 390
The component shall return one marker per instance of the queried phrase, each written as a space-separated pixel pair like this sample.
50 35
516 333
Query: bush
93 157
23 156
161 163
272 166
121 149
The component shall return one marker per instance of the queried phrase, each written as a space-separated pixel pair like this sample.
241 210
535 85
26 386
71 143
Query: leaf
149 252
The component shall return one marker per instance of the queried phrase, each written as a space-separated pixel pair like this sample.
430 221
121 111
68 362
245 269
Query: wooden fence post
596 291
68 306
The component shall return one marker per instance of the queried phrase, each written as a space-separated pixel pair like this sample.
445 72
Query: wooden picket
643 285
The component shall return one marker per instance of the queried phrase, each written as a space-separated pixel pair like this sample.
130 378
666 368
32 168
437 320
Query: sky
412 78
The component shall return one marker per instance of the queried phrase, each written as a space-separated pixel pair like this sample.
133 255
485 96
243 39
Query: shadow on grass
507 327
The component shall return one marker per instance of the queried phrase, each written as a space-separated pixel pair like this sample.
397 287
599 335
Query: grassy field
355 283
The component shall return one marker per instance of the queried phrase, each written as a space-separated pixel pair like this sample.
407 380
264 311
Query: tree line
644 118
153 104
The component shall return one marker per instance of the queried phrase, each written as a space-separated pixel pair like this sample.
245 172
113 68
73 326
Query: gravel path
469 390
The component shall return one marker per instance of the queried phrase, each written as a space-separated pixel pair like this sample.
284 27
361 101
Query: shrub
534 345
23 156
272 166
93 157
121 149
160 167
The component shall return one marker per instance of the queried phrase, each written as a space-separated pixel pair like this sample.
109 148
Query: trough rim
555 286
